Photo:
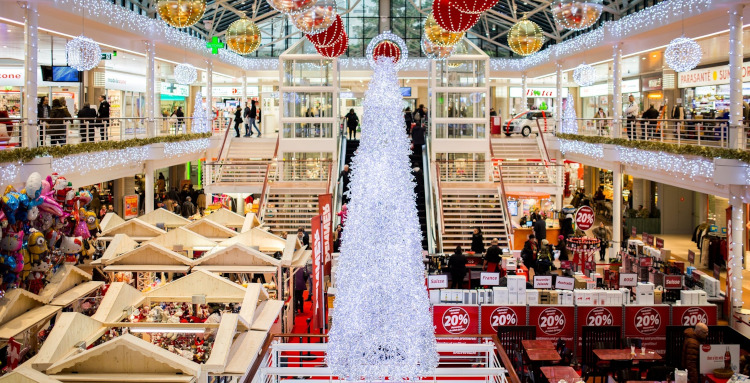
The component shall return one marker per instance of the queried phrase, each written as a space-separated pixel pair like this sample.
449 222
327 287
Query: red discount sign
584 217
498 316
597 316
553 323
692 315
673 282
455 319
648 323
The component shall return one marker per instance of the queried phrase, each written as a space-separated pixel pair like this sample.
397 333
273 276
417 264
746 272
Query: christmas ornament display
525 37
570 118
434 51
185 74
389 37
337 49
584 75
439 36
291 7
316 19
472 6
243 36
386 49
181 13
329 36
83 53
576 14
201 123
683 54
452 19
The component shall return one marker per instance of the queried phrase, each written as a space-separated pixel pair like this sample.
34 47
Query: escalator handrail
429 207
337 192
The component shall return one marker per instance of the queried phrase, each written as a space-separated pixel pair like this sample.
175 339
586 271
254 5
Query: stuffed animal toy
61 187
35 246
71 247
11 245
92 222
36 278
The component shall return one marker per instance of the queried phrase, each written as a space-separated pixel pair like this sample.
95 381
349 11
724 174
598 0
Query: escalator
419 191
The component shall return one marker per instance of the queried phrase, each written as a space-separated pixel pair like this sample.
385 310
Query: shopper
540 227
625 233
337 238
562 247
601 123
252 115
631 113
300 282
544 259
408 119
214 317
87 115
599 195
245 115
649 116
188 208
343 213
237 121
492 257
103 114
417 138
303 237
59 115
528 253
457 267
96 203
352 122
180 115
691 347
418 116
477 241
343 180
566 226
602 233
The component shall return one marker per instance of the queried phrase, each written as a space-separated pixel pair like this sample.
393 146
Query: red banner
501 316
553 323
455 319
14 353
326 219
692 315
648 323
596 316
316 245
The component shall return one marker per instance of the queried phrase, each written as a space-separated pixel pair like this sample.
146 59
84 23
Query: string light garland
452 19
181 13
177 149
185 74
683 54
10 172
438 35
576 15
525 37
291 7
243 36
387 36
316 19
85 163
363 63
584 75
337 49
472 6
685 167
594 151
83 53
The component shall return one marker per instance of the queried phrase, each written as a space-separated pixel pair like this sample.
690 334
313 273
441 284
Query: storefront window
308 130
460 105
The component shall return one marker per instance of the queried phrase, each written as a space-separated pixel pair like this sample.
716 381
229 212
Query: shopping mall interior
366 190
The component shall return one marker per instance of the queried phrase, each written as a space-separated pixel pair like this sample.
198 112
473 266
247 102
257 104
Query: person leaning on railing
87 117
58 116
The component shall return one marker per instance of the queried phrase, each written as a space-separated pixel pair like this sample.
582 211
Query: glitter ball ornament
434 51
575 14
452 19
330 36
584 75
291 7
83 53
316 19
181 13
438 35
472 6
386 49
387 36
185 74
525 38
683 54
243 36
336 49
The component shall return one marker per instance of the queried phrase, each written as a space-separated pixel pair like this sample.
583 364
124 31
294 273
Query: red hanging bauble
386 49
452 19
330 36
337 49
472 6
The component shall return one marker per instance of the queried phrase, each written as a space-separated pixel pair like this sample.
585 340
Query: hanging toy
36 278
10 202
61 186
71 247
11 244
92 222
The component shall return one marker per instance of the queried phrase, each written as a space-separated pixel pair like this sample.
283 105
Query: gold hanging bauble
525 38
439 36
181 13
291 7
243 36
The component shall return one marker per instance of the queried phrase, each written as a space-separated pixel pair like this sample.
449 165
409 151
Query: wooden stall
226 218
211 230
136 229
163 218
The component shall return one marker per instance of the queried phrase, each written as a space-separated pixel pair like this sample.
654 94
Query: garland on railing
691 150
28 154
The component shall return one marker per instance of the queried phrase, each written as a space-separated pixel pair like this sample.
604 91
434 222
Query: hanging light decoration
330 36
243 36
181 13
336 49
438 35
683 54
458 50
575 14
584 75
291 7
83 53
185 74
472 6
316 19
525 37
434 51
376 48
452 19
386 48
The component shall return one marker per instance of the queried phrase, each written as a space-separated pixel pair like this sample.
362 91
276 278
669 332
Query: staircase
289 210
523 162
512 148
243 149
464 210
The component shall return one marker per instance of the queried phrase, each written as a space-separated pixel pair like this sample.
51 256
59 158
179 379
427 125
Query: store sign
124 81
542 281
494 317
648 323
537 92
12 76
316 244
659 243
172 89
553 323
710 76
631 86
437 281
326 217
489 279
231 91
584 218
454 320
715 356
597 316
628 86
565 283
692 315
691 256
673 282
651 83
130 205
106 56
628 279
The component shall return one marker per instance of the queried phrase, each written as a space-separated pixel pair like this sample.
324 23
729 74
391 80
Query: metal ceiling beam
493 42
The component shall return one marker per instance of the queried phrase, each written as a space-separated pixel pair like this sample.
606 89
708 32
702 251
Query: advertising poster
500 316
456 320
326 229
130 203
713 356
648 323
316 244
692 315
596 316
553 323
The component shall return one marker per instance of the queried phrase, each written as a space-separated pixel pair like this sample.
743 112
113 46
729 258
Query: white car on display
526 122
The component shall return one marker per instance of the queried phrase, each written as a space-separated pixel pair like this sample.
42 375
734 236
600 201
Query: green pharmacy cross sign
215 45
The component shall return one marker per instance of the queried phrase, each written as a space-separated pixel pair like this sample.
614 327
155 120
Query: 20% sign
551 321
647 320
693 316
456 320
599 317
503 316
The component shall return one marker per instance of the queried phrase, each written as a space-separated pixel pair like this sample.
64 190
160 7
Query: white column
148 194
244 91
560 168
559 97
524 97
385 15
736 251
31 41
617 91
736 135
617 208
209 87
152 127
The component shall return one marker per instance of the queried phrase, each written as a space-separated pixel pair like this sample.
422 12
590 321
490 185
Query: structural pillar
560 172
148 194
617 91
385 15
558 96
736 134
244 90
150 94
209 88
31 42
617 208
524 96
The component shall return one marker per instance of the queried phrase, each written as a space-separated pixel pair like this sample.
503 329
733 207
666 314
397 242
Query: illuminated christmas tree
569 117
201 122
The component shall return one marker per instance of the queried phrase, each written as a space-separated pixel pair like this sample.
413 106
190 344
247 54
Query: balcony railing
512 172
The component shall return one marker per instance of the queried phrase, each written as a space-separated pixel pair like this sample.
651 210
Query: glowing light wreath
683 54
83 53
584 75
185 74
434 51
388 36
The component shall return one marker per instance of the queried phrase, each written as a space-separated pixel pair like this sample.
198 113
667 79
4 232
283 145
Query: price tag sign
565 283
644 237
633 232
489 279
542 281
717 271
646 261
565 265
437 281
691 256
659 243
673 282
628 279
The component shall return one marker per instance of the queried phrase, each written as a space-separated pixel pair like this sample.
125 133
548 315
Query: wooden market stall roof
109 221
150 256
292 247
251 221
213 286
211 230
76 293
164 216
70 328
120 244
226 217
120 296
266 314
27 320
244 351
136 229
265 241
237 258
65 278
16 302
185 238
27 375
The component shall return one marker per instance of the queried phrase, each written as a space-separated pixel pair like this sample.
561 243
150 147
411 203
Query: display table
520 235
530 344
556 373
613 355
710 378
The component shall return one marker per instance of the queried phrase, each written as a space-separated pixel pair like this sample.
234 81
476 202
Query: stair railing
429 206
336 187
264 192
438 193
498 178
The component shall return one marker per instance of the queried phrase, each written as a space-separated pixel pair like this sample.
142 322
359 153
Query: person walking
188 208
528 253
237 121
408 119
300 283
87 115
562 247
477 241
352 122
603 235
631 113
245 115
540 227
457 267
344 182
252 115
691 347
103 114
58 116
650 116
492 256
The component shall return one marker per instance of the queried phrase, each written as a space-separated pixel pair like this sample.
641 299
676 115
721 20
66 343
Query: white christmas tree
201 122
382 323
570 121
